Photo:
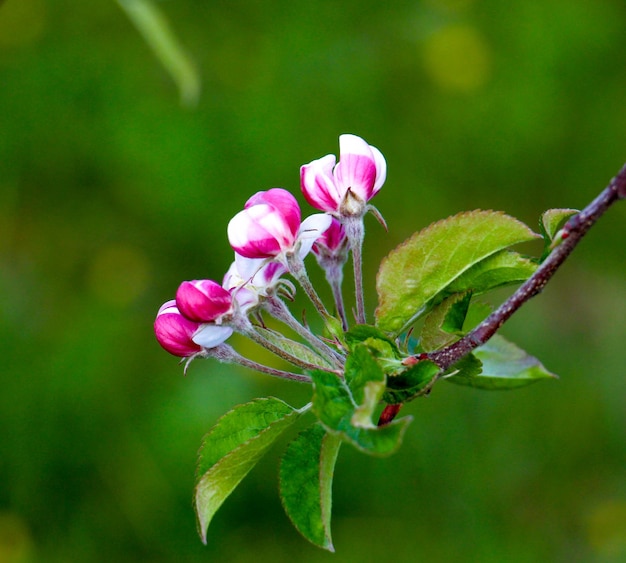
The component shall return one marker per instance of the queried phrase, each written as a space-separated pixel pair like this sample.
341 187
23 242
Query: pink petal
174 332
381 170
248 235
285 203
202 300
357 167
318 184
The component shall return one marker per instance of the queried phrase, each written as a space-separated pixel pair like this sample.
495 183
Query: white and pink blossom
269 226
344 188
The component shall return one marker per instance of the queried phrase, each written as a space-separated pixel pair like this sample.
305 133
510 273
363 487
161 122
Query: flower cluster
270 239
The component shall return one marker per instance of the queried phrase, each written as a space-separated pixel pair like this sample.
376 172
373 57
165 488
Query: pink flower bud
267 226
203 301
174 332
333 241
344 189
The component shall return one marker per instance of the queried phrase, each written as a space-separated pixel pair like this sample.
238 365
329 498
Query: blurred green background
112 192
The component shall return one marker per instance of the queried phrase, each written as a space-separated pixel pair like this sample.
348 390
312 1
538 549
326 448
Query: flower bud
267 226
346 188
174 332
203 301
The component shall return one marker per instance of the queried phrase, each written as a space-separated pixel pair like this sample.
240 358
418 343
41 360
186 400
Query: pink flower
203 301
174 332
269 226
344 189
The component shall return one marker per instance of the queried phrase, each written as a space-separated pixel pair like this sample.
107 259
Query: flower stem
277 308
296 268
334 277
226 353
242 325
355 233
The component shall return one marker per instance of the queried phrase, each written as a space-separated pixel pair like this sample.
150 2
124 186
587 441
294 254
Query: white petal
311 229
351 144
210 335
381 169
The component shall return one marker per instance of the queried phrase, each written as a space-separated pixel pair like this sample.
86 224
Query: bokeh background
112 192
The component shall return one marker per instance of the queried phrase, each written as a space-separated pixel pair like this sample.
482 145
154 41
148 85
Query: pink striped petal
357 168
174 332
318 184
284 202
203 300
259 232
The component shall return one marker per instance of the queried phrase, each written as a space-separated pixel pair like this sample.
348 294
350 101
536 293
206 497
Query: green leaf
155 29
444 323
334 405
368 333
553 220
232 448
504 366
306 477
411 383
293 348
366 381
499 270
413 274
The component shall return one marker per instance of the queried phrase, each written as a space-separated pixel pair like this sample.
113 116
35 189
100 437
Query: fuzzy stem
355 233
334 276
225 353
296 268
242 325
277 308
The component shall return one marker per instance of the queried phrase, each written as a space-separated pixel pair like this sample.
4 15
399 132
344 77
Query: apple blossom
269 226
345 188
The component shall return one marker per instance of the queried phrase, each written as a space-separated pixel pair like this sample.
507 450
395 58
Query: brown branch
571 234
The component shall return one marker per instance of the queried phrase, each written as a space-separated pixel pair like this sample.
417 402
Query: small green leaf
367 333
552 221
334 406
418 270
306 477
444 323
499 270
293 348
504 366
411 383
361 369
232 448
